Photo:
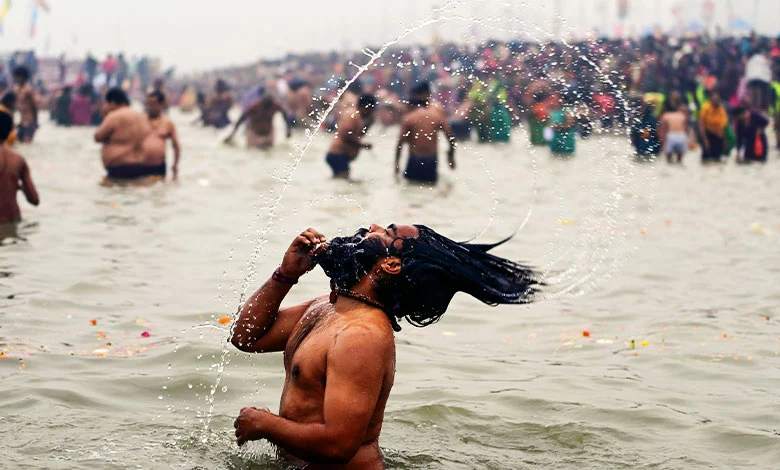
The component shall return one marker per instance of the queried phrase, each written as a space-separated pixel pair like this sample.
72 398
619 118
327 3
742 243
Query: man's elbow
241 343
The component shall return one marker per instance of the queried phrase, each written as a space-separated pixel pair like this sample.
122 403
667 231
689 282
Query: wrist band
279 277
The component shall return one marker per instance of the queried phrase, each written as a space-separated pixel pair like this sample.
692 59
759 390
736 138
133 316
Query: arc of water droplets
594 271
287 180
272 215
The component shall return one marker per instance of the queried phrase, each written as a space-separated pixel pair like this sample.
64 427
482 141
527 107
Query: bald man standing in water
339 350
420 129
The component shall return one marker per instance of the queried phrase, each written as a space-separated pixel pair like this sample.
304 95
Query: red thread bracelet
279 277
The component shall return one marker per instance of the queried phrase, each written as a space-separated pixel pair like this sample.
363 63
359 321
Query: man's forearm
259 313
311 442
238 124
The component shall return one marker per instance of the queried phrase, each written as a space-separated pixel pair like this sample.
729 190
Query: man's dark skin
339 361
260 126
349 138
420 129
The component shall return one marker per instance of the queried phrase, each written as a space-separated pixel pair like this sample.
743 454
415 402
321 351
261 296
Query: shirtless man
122 134
27 104
674 132
339 350
299 102
161 128
260 128
158 85
8 105
14 175
420 129
346 104
219 105
349 134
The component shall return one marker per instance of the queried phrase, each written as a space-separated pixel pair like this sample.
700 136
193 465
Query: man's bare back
420 128
348 135
14 175
259 117
122 134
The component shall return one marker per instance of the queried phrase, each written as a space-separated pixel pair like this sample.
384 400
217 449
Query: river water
683 260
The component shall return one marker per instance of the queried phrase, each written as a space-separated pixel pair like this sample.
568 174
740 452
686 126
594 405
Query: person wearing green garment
493 121
563 126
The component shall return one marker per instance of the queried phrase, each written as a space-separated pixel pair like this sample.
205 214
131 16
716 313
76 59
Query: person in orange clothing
713 120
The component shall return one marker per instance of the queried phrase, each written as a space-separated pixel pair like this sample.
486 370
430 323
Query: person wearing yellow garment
713 120
657 101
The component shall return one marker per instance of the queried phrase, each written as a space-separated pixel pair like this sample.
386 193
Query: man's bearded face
348 259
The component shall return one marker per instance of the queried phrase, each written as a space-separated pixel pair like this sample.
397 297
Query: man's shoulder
368 334
413 116
14 158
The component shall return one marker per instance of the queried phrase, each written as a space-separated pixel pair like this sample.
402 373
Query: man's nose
375 228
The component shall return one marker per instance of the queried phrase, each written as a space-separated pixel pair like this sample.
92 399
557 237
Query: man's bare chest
305 356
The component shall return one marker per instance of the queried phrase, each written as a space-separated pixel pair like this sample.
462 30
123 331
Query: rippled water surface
683 260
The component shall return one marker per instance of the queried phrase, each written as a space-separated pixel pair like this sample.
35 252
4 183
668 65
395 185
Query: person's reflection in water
339 350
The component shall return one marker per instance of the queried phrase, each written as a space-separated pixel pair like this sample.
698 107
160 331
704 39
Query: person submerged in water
14 175
161 129
8 105
339 350
122 134
27 103
260 128
350 129
420 130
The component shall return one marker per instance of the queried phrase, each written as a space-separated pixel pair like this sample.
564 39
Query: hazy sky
195 34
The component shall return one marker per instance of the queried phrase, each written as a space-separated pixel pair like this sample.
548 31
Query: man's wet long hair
435 268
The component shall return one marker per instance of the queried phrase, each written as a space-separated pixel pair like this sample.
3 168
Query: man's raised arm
262 326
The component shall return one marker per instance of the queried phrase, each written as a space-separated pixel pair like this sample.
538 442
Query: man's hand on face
249 424
299 258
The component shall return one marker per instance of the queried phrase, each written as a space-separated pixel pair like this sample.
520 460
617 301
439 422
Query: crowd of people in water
672 95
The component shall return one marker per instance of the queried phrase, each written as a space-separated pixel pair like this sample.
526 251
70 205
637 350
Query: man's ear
391 265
